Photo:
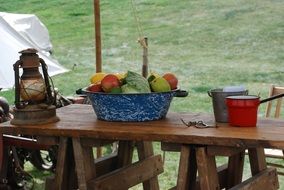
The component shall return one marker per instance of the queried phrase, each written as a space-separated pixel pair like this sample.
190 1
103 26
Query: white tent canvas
19 32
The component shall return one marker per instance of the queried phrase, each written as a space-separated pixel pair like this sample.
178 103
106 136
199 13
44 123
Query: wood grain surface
80 121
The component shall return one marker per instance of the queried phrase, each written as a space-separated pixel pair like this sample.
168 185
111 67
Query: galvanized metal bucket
219 103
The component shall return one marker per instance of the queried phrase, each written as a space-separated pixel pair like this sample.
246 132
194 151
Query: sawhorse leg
65 177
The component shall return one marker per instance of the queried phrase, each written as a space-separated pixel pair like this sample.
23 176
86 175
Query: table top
78 120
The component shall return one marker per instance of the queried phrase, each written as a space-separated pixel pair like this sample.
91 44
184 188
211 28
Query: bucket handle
209 93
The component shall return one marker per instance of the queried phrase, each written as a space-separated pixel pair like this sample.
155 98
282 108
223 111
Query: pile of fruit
131 82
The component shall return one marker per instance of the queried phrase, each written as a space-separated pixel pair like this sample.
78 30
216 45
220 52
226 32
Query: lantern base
35 115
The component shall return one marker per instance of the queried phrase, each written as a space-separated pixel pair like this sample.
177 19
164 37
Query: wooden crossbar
130 175
266 179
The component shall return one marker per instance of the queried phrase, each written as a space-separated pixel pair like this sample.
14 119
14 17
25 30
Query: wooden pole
98 35
97 16
145 57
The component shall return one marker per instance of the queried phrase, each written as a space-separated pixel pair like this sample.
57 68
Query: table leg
65 178
99 152
187 169
84 161
257 160
124 153
207 170
145 150
235 169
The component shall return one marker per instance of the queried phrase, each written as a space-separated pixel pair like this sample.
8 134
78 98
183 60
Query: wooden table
78 127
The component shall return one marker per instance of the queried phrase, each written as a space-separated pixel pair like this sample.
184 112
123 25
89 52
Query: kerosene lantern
33 93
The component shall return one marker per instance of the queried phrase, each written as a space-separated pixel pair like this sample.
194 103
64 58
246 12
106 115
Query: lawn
207 44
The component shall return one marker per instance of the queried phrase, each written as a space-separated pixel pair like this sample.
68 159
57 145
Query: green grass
207 44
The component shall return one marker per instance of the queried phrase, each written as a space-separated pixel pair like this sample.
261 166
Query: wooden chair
273 109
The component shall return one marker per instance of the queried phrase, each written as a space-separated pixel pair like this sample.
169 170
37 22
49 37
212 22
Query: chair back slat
274 90
278 108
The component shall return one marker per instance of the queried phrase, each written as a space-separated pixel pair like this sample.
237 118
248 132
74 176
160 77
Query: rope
139 28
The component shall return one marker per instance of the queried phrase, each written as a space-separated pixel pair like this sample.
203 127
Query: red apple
172 80
109 82
95 87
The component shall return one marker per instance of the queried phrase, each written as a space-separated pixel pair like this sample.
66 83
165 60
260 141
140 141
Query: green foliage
207 44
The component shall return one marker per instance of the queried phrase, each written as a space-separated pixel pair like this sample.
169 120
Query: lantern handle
46 80
17 83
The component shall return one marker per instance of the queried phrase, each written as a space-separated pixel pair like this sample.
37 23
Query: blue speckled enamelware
130 107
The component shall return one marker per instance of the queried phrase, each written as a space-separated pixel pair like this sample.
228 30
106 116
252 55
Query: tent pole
97 16
98 36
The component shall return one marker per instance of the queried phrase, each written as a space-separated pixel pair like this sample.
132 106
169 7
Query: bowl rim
84 90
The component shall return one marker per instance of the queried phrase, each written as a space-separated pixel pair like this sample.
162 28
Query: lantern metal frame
30 112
